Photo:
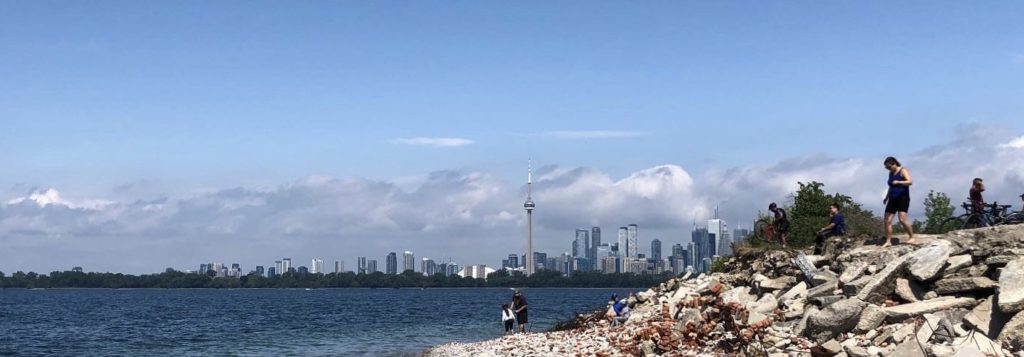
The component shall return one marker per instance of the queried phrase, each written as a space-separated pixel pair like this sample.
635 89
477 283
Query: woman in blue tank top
897 200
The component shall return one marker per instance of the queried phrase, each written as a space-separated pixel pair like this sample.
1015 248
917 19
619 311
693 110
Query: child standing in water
508 317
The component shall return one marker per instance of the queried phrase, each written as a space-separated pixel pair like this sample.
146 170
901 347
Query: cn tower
530 265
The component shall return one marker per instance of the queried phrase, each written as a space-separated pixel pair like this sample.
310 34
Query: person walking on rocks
508 318
897 199
835 227
781 223
520 307
977 200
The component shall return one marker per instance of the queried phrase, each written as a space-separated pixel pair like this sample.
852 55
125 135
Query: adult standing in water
519 306
897 200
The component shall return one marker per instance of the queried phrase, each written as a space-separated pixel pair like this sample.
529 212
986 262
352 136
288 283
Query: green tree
809 212
937 207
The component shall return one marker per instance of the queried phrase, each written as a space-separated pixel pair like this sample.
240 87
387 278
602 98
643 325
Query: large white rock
882 284
957 262
1011 287
900 312
927 262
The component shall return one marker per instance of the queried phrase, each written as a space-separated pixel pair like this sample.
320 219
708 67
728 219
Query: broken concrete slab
1013 332
798 291
1011 287
840 317
854 287
949 286
926 263
987 318
882 284
901 312
852 271
957 262
780 283
824 301
870 318
823 289
909 348
909 291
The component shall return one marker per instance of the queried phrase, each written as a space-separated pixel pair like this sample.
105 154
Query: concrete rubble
957 294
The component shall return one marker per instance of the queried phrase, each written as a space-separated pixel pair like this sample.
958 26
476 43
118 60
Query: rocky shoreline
958 294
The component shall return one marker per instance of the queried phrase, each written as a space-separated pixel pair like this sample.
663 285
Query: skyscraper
529 206
428 267
408 261
656 250
361 265
623 244
259 270
632 247
581 245
371 266
391 264
740 234
316 266
286 265
513 261
339 266
595 241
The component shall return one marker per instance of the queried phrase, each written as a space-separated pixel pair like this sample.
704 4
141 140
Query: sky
136 136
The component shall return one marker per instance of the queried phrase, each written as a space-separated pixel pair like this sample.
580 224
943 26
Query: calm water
266 322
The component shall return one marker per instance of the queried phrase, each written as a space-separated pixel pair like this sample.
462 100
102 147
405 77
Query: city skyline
138 136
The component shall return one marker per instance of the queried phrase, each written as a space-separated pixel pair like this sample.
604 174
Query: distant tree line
407 279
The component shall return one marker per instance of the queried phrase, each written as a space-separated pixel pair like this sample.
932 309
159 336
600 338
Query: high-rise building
203 269
428 267
339 266
391 264
259 270
286 264
656 249
609 265
361 265
513 261
408 261
531 264
595 242
740 234
632 247
720 229
542 261
371 266
622 241
279 267
581 245
316 266
271 272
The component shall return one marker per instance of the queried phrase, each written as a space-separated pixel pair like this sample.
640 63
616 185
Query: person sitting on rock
621 309
781 222
835 227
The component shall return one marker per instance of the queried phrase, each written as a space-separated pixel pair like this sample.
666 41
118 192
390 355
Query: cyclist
977 201
897 199
781 222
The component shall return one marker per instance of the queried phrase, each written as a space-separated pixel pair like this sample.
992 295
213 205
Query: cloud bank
435 142
469 217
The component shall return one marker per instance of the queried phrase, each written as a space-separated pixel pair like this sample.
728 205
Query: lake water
193 322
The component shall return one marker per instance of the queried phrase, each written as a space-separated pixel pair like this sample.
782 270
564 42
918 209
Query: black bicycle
1016 217
994 214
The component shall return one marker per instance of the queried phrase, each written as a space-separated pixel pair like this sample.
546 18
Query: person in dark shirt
835 227
781 222
977 201
519 306
897 199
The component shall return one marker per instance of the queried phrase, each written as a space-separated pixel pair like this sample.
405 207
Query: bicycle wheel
951 224
974 221
1013 218
760 231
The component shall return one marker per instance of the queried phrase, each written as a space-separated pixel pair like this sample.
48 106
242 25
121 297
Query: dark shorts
508 325
898 204
521 317
782 227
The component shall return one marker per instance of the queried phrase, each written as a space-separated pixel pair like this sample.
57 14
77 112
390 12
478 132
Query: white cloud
436 142
1017 143
472 217
591 134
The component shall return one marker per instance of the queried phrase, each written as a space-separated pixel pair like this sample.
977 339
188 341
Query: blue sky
181 99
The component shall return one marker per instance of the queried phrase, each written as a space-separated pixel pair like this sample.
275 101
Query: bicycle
764 230
974 218
1016 217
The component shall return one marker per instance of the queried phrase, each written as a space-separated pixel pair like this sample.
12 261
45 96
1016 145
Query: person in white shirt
508 317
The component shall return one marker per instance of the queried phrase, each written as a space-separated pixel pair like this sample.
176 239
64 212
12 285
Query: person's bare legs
782 237
905 222
887 226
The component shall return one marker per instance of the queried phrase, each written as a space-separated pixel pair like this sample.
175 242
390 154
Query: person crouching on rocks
835 227
508 318
519 306
618 313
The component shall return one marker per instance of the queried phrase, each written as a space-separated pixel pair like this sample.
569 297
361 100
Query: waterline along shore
956 294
